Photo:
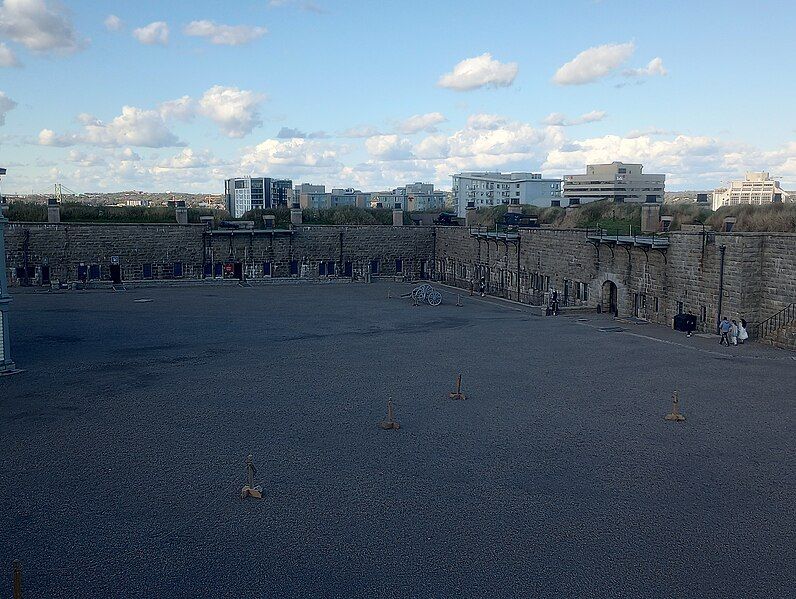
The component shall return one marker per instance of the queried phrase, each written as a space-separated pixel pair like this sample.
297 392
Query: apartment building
414 197
617 181
486 189
757 188
251 193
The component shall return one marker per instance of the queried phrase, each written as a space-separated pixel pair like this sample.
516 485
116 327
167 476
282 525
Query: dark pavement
122 451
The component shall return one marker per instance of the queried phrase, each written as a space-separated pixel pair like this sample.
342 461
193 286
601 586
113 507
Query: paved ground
122 449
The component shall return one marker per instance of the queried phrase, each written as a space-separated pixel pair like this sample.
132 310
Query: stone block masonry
759 273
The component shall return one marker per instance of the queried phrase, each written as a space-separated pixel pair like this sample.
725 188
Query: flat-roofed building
757 189
617 181
243 194
486 189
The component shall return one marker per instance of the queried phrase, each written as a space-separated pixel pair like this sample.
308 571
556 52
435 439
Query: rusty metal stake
458 300
675 414
389 422
249 490
458 393
17 580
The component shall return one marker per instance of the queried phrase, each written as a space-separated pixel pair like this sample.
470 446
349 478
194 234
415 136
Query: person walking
724 328
743 334
734 333
482 286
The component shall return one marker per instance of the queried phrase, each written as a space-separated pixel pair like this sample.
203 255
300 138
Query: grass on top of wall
79 213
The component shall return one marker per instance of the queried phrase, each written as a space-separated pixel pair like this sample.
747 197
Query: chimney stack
295 214
181 212
53 211
397 215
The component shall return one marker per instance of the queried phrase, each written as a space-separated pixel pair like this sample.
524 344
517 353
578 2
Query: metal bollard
17 580
458 393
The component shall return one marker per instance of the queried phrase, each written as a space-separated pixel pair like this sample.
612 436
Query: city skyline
182 97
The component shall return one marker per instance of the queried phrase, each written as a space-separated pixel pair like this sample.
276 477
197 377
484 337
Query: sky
179 95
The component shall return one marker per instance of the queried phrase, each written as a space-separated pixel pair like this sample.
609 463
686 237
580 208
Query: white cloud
181 109
85 160
594 63
488 122
480 71
6 105
188 159
134 127
654 67
38 25
273 154
389 147
7 57
558 119
48 137
113 23
226 35
291 133
234 110
156 33
421 122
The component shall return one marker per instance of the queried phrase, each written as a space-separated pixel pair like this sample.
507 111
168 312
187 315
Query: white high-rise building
618 182
758 188
243 194
485 189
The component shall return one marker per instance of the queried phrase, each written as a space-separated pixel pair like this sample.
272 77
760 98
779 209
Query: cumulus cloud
273 154
85 160
558 119
133 127
654 67
6 105
421 122
480 71
234 110
189 159
181 109
7 57
489 122
156 33
594 63
113 23
39 26
224 35
389 147
291 133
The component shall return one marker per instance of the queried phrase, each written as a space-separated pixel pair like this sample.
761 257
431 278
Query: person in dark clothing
482 286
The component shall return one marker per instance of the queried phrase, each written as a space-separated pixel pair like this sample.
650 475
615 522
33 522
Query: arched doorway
609 301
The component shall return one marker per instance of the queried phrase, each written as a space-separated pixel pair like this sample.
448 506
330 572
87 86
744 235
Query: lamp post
6 363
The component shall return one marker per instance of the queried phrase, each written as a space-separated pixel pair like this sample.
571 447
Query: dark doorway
239 270
45 275
116 273
422 269
82 273
348 269
609 298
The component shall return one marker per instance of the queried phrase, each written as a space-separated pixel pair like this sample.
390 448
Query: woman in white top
742 334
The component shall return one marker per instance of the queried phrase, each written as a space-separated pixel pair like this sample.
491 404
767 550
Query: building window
399 265
348 269
703 314
374 267
266 269
147 268
322 269
294 267
178 269
330 268
656 304
218 270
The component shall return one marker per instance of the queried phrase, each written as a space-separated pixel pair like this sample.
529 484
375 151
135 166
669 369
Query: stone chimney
469 214
269 221
514 207
181 212
650 216
397 215
295 214
729 224
53 211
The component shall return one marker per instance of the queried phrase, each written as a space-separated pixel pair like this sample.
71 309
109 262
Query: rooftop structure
617 181
757 188
485 189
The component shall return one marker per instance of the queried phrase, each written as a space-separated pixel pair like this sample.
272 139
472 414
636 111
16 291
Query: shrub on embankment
77 213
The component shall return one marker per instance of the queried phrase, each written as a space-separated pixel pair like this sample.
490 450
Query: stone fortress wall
759 268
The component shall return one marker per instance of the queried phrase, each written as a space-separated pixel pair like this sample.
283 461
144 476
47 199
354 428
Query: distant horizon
158 95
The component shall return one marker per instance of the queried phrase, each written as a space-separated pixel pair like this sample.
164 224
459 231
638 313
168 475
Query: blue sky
377 94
